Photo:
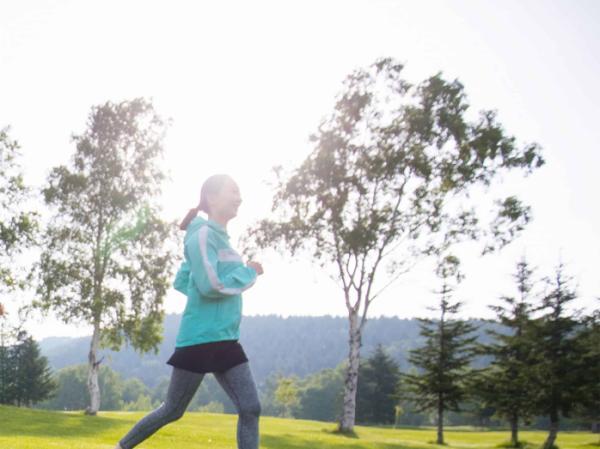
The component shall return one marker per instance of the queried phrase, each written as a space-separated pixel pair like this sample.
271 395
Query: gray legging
237 383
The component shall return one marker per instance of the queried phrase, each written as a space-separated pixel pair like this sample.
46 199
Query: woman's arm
203 263
182 278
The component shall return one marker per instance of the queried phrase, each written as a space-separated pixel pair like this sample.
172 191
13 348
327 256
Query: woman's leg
239 385
182 387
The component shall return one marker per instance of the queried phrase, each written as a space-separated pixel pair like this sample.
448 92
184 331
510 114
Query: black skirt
212 357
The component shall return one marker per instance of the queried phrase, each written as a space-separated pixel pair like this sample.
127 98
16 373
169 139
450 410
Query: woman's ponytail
188 218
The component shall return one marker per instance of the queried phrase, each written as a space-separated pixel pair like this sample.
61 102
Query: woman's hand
257 267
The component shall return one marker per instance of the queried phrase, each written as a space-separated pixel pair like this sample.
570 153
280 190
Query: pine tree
443 362
557 365
589 341
25 377
7 368
506 384
33 378
377 384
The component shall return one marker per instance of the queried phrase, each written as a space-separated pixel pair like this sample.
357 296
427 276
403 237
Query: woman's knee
171 414
251 408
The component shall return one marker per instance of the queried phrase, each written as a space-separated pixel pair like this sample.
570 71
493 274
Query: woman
212 276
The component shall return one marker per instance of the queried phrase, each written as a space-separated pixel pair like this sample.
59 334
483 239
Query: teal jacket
213 277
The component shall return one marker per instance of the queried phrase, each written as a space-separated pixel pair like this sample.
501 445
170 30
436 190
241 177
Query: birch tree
387 183
18 225
105 260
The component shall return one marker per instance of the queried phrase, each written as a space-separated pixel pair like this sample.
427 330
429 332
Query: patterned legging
237 382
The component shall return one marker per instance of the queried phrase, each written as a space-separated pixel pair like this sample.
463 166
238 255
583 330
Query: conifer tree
443 362
25 377
33 380
557 365
376 397
589 341
7 368
507 384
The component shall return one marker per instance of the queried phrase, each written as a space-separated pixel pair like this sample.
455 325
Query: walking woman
213 277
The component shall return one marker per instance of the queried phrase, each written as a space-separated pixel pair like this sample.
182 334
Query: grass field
35 429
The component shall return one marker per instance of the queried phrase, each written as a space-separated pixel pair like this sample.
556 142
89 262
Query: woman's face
225 202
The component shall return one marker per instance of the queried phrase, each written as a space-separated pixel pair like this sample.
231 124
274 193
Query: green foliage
507 384
588 406
104 259
25 378
72 392
287 395
388 181
321 395
17 225
376 396
444 361
142 402
132 390
557 368
392 163
317 396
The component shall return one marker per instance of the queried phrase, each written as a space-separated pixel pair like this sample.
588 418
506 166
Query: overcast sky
245 83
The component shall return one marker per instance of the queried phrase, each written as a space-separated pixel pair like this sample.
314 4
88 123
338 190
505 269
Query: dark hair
211 186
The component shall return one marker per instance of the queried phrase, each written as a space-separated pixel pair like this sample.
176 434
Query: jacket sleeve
182 278
203 257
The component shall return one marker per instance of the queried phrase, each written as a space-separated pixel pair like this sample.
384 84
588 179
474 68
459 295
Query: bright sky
246 82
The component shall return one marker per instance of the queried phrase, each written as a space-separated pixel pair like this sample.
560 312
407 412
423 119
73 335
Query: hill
294 345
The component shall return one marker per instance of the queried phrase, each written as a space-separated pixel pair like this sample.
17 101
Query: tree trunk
440 423
93 368
549 443
514 431
351 383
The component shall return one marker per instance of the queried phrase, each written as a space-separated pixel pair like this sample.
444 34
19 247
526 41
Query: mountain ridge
286 345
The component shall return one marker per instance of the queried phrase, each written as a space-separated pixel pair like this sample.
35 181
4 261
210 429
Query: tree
388 182
589 341
443 361
557 365
72 392
33 381
133 389
321 395
25 377
104 258
377 384
17 225
287 395
7 367
507 384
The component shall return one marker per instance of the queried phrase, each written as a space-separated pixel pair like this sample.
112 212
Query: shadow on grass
37 423
293 442
339 433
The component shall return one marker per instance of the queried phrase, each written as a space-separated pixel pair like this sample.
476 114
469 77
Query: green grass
36 429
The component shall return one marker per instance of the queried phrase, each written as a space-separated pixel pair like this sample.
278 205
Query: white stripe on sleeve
210 271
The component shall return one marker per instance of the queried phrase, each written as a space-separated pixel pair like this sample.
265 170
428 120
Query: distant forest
288 346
